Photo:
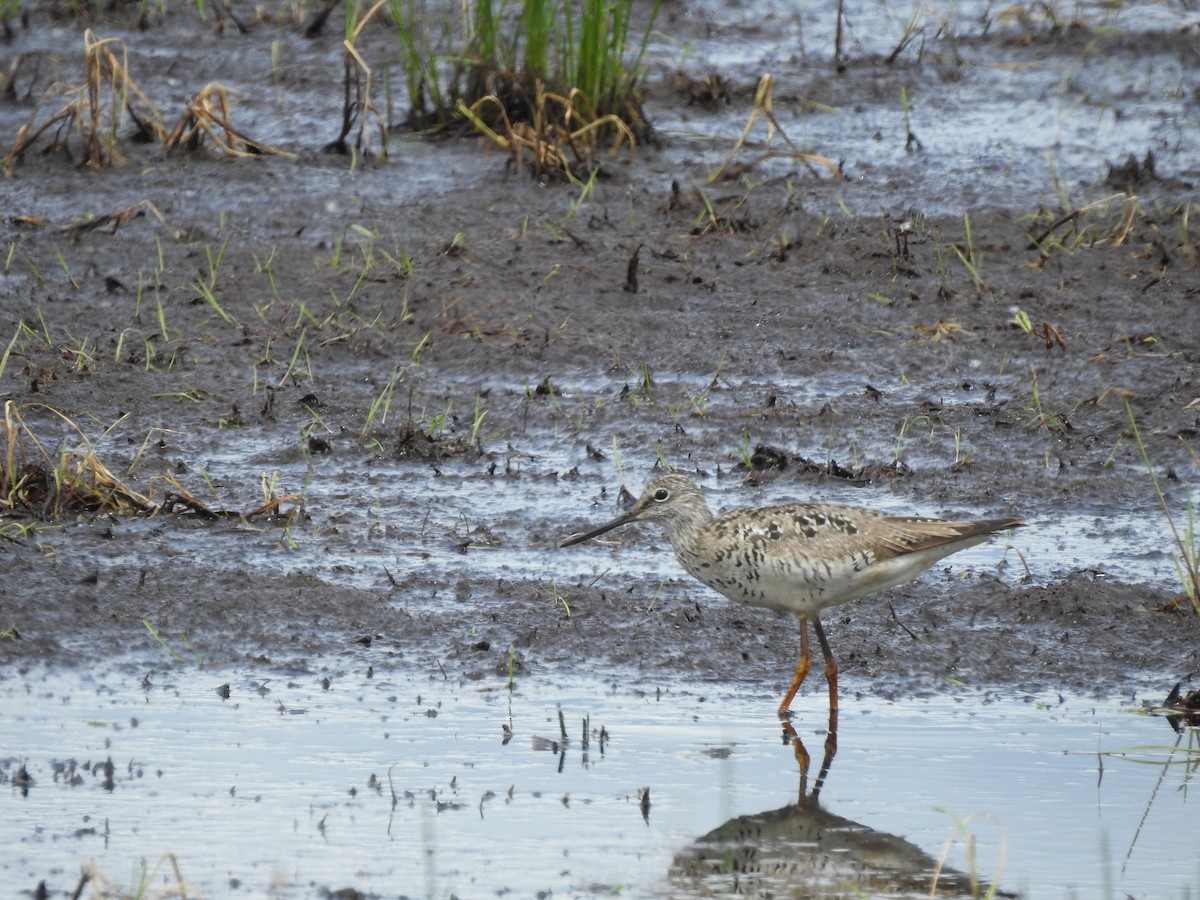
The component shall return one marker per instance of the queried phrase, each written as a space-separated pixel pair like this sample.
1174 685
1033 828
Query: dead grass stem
764 108
95 109
560 138
208 118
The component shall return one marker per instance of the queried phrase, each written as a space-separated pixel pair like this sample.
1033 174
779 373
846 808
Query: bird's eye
661 494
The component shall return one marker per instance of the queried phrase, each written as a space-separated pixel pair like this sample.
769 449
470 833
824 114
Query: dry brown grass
94 110
36 482
208 119
561 139
764 109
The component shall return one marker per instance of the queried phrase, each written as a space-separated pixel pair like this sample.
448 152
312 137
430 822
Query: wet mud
727 347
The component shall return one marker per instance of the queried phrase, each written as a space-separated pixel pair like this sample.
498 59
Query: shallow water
403 783
1001 112
368 516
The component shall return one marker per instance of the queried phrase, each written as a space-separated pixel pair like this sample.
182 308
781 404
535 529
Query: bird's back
805 557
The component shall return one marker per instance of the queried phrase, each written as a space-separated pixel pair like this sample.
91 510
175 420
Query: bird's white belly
805 585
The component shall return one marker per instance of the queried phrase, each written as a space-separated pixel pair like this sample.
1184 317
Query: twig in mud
395 799
1072 216
631 271
118 219
187 501
270 506
1118 234
901 624
764 109
837 39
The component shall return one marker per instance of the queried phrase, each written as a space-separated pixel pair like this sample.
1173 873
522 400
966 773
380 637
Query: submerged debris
1186 706
416 443
1133 173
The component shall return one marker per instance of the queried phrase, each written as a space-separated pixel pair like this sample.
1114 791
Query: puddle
366 515
1009 118
403 782
993 95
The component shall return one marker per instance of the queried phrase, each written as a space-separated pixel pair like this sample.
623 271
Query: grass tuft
560 138
581 48
96 108
40 484
1187 541
208 119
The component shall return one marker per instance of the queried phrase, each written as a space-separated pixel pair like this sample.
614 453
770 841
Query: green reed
485 50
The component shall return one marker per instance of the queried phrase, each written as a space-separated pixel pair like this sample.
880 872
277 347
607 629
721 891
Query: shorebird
799 557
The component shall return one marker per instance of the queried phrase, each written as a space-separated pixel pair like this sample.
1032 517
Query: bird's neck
686 533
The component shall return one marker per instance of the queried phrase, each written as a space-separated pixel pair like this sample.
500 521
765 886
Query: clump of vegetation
106 101
208 119
38 484
1080 228
561 137
41 484
490 52
96 108
545 83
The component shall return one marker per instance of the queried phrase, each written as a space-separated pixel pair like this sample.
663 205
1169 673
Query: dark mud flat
784 345
726 346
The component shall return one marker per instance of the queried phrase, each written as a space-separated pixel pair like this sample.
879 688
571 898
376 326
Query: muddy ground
858 350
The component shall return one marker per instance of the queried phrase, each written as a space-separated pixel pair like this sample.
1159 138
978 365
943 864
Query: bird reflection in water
803 850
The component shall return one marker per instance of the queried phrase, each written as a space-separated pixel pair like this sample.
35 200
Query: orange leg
802 667
803 760
799 750
831 669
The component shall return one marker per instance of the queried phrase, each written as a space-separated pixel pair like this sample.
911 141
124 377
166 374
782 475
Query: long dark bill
572 539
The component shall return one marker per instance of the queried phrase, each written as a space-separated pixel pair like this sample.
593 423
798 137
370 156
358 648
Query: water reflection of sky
274 788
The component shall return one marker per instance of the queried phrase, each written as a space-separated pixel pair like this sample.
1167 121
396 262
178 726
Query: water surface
406 782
